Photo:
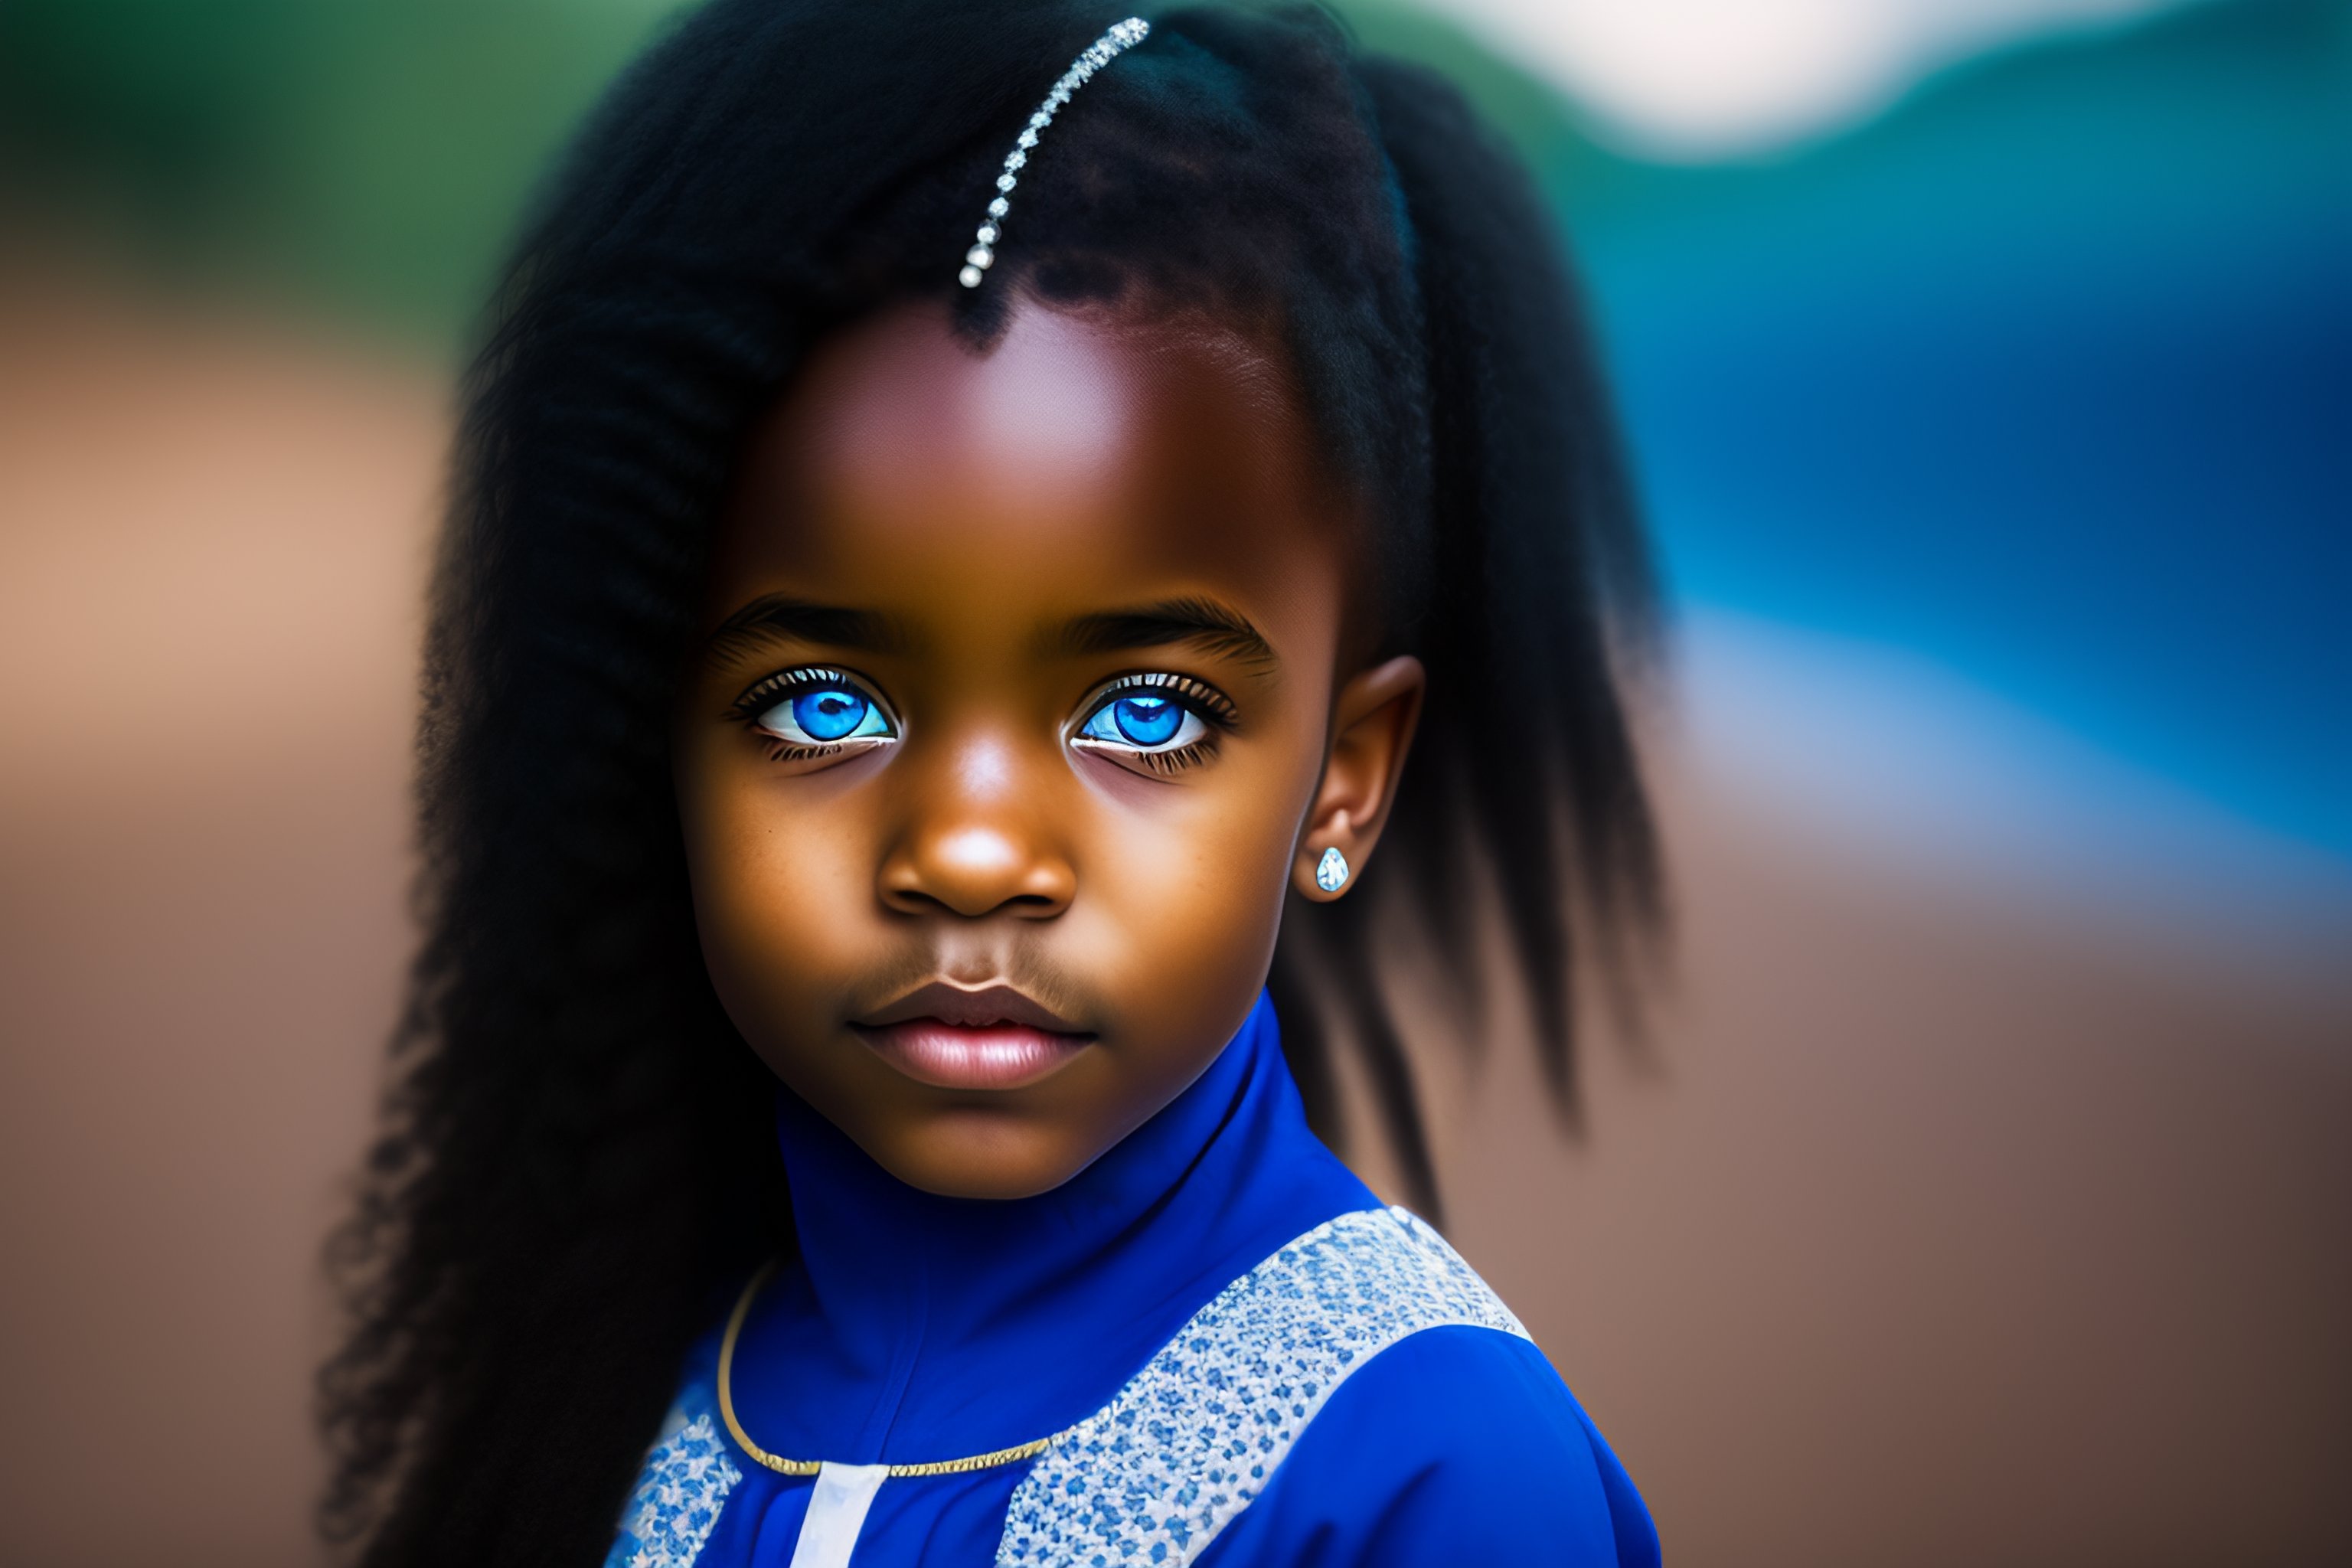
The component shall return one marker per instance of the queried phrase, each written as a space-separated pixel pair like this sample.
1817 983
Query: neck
937 1322
963 1258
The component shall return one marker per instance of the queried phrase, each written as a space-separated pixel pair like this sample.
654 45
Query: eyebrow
1204 623
776 616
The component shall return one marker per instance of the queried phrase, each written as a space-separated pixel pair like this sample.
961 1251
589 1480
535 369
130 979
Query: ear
1372 730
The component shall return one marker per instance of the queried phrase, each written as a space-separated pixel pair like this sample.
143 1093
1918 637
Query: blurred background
1983 1190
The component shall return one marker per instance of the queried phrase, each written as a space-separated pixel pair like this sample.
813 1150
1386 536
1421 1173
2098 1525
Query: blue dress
1241 1359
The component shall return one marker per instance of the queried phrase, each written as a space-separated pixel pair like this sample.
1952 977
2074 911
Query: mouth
950 1037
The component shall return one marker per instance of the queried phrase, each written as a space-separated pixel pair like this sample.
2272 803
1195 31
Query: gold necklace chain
785 1467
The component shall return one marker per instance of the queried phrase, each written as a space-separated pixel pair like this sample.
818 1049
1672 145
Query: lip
991 1038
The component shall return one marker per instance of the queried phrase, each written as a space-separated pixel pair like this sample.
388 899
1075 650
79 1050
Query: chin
965 1155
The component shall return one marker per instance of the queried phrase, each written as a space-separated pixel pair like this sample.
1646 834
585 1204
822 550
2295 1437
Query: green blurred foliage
369 155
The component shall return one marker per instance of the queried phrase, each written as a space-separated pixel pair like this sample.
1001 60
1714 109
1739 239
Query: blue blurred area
2047 374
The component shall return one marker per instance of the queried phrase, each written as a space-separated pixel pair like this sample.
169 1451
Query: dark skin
1033 679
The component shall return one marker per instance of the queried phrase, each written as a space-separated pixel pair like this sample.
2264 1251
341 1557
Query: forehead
1078 460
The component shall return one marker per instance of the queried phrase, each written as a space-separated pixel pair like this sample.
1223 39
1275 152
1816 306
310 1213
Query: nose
979 842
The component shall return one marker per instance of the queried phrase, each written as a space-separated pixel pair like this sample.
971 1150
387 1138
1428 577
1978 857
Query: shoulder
1359 1399
1456 1443
686 1479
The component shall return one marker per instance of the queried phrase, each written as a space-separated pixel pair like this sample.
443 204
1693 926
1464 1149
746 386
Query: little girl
958 564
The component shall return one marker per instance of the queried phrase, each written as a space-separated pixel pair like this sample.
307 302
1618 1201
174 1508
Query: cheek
778 886
1186 888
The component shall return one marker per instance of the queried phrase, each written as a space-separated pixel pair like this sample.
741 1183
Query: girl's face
1020 705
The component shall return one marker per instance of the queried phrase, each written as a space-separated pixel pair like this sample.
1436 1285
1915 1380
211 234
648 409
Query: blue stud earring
1331 871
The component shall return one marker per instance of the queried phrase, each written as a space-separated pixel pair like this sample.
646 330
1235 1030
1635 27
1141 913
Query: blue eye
1146 720
1156 719
815 707
830 715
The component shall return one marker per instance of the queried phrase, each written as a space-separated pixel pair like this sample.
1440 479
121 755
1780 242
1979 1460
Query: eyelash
771 692
779 750
1177 761
1213 707
1203 699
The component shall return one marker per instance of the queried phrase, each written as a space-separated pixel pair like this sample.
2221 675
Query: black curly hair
577 1162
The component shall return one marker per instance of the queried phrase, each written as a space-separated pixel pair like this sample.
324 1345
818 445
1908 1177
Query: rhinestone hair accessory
1101 53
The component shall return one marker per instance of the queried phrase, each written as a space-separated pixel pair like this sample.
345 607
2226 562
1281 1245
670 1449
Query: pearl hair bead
1101 53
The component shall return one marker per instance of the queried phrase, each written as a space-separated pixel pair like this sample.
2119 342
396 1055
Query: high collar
916 1327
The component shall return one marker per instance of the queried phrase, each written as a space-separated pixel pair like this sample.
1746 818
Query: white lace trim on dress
1194 1437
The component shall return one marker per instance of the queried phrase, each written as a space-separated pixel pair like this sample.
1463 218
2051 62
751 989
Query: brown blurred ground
1938 1227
